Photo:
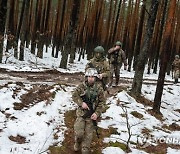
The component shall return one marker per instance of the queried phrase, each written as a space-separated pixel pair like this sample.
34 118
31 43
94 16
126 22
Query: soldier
116 56
176 68
102 66
90 100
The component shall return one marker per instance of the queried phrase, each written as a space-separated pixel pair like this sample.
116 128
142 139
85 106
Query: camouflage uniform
176 68
83 127
102 66
116 57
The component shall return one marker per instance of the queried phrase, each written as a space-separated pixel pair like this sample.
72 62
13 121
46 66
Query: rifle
89 112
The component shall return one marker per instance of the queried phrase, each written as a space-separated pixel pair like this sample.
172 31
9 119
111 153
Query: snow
38 130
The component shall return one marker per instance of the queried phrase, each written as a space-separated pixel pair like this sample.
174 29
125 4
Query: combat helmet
91 72
99 49
177 56
118 43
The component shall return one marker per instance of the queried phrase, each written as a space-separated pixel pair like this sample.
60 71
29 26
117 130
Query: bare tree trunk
71 36
10 29
133 33
25 7
3 11
40 30
116 21
74 23
160 37
16 35
139 70
126 29
139 35
153 44
165 56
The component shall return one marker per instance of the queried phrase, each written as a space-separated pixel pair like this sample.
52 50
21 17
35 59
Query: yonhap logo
147 140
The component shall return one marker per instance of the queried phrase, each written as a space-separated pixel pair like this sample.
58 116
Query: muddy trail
54 76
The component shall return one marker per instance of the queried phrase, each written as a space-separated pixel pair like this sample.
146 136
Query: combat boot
76 146
110 83
176 81
117 82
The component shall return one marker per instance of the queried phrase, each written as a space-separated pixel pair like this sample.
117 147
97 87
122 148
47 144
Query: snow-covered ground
39 133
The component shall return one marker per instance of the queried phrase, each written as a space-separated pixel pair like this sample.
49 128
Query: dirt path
53 76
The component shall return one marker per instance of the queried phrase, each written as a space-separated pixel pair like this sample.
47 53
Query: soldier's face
98 55
91 79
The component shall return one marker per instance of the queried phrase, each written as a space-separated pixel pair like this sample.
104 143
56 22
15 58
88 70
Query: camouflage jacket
117 57
176 65
101 66
97 103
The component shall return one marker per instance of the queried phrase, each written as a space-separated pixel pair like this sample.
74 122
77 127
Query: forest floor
39 92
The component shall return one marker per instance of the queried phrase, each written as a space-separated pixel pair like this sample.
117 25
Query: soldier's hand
100 76
85 106
116 47
94 116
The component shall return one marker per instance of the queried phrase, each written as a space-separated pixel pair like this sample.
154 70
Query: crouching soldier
176 68
90 100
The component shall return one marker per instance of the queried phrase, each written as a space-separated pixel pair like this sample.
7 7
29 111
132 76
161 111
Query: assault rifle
89 112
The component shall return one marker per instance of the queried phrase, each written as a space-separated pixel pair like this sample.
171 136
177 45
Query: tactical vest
100 66
116 57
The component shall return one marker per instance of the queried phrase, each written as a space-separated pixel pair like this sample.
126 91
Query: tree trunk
25 8
160 37
10 29
165 56
116 21
15 43
74 23
139 70
3 11
139 34
133 33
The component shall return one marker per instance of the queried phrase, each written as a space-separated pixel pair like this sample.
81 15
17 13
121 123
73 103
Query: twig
62 88
45 143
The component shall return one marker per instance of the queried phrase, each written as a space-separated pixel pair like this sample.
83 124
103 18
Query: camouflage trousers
114 69
83 130
176 74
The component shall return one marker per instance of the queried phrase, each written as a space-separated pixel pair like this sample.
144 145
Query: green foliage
137 114
113 131
117 144
56 150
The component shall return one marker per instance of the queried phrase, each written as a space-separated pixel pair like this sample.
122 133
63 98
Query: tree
139 34
160 36
25 8
71 35
142 59
165 56
3 11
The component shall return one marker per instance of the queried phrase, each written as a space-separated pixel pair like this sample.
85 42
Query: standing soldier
116 56
100 63
90 100
176 68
